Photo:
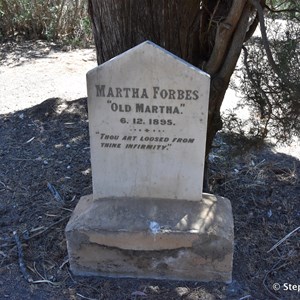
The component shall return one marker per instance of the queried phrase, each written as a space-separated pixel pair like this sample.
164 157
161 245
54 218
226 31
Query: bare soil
44 147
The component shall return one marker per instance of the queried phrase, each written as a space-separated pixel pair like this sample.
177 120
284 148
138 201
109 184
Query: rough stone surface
151 238
147 117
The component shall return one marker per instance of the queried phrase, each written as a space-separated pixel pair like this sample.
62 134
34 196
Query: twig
83 297
274 10
213 14
49 227
260 163
70 275
46 281
67 209
265 41
55 193
36 229
246 297
283 239
30 140
21 259
6 266
63 264
265 278
37 272
39 233
43 280
229 181
6 187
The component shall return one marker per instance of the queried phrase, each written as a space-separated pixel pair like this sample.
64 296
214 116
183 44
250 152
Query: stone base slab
152 238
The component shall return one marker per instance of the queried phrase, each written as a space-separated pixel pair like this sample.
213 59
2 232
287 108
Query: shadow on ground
15 53
48 146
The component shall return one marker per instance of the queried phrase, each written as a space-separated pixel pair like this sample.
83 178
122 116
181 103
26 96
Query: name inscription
142 93
149 133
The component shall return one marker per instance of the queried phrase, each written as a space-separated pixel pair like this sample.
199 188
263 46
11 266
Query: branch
252 28
49 227
236 45
283 239
213 14
260 90
223 77
292 10
224 34
22 264
265 41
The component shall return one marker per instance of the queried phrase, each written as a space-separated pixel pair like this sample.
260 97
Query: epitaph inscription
143 116
147 114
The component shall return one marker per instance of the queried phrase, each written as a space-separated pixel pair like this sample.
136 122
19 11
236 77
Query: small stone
154 227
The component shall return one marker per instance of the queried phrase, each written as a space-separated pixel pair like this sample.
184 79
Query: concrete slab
151 238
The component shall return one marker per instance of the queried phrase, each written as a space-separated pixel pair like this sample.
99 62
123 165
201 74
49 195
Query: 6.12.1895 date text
140 121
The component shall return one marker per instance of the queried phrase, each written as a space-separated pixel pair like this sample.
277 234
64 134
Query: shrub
51 19
272 98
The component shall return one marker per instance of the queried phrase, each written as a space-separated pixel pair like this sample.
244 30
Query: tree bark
121 24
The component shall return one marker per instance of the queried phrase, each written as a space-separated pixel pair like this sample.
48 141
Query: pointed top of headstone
149 48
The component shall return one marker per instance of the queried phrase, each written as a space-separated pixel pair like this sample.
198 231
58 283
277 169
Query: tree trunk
121 24
208 34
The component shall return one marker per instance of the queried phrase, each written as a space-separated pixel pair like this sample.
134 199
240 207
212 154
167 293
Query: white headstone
148 114
147 118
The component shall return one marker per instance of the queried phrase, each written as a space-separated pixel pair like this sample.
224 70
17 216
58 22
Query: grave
147 216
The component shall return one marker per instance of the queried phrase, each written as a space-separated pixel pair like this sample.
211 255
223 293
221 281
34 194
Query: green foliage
273 98
287 9
66 20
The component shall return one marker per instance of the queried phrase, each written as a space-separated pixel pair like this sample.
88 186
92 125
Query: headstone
147 116
147 216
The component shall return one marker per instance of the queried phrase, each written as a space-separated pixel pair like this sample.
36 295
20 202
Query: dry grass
51 19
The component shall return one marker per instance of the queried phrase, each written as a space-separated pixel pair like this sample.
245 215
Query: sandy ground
27 81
